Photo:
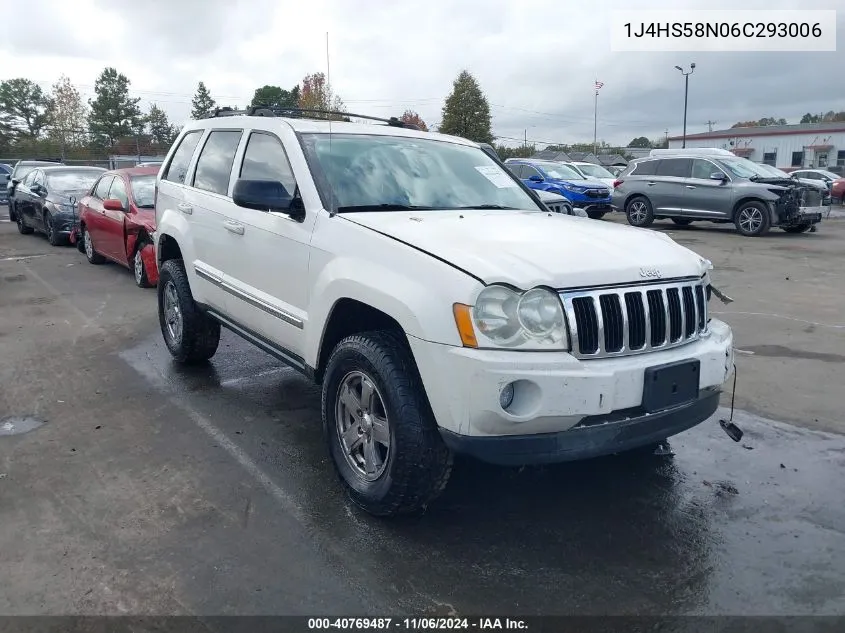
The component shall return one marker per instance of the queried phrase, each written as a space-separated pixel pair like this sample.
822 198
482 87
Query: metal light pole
686 96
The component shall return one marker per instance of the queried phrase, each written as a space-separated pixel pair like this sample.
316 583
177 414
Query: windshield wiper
145 206
381 207
482 206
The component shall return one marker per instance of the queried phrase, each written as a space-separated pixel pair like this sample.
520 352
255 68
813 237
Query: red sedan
117 220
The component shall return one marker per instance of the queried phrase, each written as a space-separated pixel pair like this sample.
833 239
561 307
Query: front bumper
590 205
811 214
558 396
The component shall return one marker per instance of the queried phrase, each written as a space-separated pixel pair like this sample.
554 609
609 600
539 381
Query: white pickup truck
440 305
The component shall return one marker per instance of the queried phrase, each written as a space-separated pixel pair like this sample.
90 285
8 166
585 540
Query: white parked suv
441 307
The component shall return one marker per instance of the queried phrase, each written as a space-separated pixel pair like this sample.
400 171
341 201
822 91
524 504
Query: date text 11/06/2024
416 624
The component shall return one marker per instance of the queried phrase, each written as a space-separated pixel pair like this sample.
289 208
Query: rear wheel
380 430
799 228
639 212
752 219
91 255
191 335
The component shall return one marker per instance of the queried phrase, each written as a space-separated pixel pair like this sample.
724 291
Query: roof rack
303 113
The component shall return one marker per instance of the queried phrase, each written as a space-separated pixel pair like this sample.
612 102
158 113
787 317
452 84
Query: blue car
592 196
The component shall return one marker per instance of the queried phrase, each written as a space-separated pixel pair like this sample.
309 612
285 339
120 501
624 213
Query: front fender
423 309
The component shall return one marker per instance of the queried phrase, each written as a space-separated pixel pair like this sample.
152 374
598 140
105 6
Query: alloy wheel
138 267
638 211
362 426
751 219
89 245
172 313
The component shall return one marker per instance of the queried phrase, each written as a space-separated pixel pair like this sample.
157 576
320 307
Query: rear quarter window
645 168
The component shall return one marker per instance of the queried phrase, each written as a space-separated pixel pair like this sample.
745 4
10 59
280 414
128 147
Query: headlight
531 320
569 187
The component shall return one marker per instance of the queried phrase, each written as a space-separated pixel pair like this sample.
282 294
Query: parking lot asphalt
139 487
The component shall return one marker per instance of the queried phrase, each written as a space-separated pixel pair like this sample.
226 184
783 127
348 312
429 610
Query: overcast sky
536 61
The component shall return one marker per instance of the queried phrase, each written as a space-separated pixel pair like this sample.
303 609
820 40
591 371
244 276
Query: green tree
202 103
114 114
415 119
161 131
466 112
316 94
24 108
274 96
811 118
523 151
640 141
68 116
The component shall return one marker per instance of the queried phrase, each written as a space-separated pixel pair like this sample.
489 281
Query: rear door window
178 167
101 191
675 167
646 168
214 166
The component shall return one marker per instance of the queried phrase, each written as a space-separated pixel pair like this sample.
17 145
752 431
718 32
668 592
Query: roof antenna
333 204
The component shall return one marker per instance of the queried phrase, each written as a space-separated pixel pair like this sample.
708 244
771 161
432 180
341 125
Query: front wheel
752 219
639 212
139 270
595 215
53 236
191 335
682 221
380 430
23 229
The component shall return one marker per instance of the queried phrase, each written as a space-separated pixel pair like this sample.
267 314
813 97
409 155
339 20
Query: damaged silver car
713 185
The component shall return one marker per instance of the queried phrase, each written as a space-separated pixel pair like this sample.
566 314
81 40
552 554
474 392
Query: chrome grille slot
635 319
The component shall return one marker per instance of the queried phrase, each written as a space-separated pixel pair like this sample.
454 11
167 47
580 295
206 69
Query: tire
639 212
595 215
191 335
139 271
50 231
23 229
91 254
800 228
412 468
13 217
566 209
752 219
682 221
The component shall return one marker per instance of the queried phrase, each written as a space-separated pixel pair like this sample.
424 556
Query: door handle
234 227
652 183
690 186
185 208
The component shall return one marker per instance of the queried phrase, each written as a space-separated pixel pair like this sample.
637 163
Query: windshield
21 172
595 171
144 191
774 171
374 172
560 171
76 180
743 168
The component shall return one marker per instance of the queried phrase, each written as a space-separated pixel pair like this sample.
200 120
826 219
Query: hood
146 218
527 248
590 182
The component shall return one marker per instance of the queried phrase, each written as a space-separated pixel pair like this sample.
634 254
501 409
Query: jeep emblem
650 273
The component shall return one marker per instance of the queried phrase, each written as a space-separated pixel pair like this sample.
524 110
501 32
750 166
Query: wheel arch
746 199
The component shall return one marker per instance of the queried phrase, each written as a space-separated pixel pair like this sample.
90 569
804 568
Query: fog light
506 396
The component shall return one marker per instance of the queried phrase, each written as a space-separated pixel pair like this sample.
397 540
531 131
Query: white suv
440 305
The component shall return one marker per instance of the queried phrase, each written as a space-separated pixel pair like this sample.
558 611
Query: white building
815 145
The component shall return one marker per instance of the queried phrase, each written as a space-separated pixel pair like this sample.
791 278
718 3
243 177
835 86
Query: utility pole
525 139
666 142
686 95
710 125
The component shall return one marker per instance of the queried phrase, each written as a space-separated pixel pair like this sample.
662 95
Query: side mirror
263 195
16 181
113 205
535 178
38 190
717 175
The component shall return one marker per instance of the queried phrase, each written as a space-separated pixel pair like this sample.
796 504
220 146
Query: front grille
635 319
598 193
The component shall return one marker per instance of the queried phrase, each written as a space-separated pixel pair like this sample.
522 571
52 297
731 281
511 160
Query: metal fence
112 162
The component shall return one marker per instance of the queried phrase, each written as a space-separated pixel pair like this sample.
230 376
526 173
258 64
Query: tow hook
721 295
728 426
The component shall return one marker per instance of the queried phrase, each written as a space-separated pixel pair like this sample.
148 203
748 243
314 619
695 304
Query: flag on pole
599 84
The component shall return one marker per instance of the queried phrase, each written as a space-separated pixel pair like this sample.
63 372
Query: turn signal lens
463 319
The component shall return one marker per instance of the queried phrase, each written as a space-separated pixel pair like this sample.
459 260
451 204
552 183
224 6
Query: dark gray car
686 186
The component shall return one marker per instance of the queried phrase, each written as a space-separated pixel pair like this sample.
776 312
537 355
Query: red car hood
146 218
